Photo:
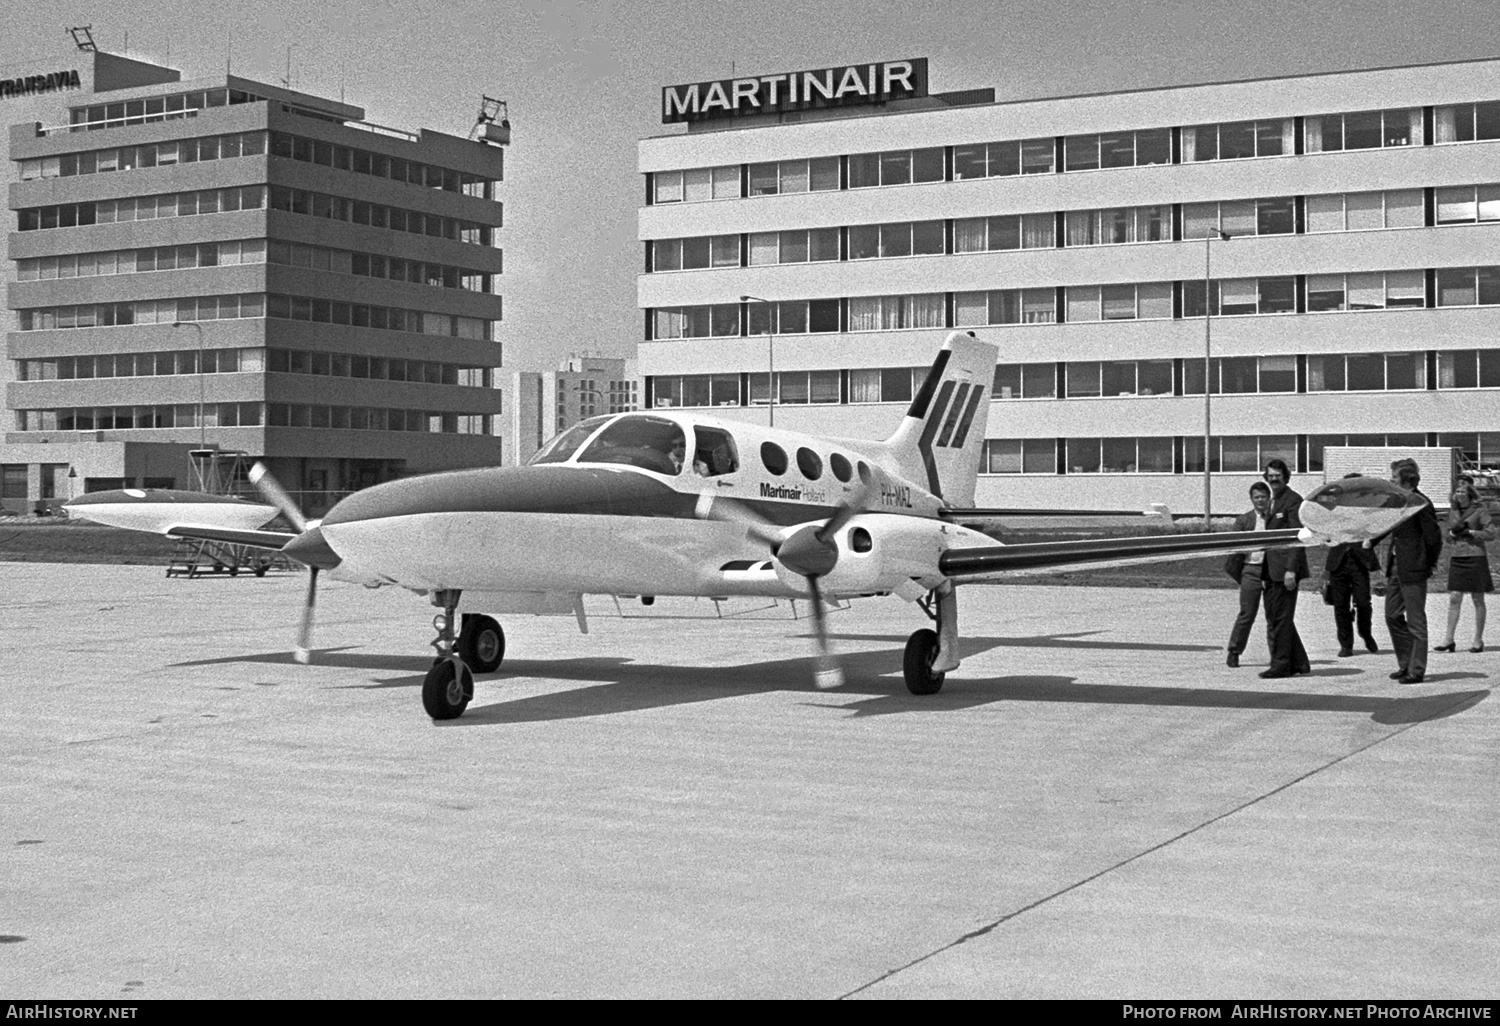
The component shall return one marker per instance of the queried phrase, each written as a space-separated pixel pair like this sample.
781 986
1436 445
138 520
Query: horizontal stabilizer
255 539
1033 556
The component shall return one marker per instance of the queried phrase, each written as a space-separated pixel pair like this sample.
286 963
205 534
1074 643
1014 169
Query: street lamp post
770 358
1208 349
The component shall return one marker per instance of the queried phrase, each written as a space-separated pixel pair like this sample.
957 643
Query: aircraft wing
976 564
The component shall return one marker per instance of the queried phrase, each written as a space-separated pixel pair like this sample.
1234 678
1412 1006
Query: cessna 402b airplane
678 503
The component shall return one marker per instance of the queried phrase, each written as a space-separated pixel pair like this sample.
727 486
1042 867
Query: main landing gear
480 644
931 654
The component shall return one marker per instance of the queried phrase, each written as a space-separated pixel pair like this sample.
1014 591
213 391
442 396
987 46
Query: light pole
1208 349
770 357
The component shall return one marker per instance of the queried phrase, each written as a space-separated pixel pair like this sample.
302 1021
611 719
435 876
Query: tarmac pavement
1094 806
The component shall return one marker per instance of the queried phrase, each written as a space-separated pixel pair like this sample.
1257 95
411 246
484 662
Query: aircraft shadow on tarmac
623 686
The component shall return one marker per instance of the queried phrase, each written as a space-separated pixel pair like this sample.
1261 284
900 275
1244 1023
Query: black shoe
1233 660
1370 644
1273 674
1407 678
1478 648
1398 675
1345 652
1450 647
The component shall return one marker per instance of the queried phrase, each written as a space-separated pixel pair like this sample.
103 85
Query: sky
582 80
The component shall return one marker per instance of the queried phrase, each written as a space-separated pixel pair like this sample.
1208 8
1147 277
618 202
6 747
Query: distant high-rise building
545 403
236 266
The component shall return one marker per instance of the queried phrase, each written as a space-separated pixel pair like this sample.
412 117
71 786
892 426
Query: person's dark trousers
1347 587
1406 616
1250 587
1287 653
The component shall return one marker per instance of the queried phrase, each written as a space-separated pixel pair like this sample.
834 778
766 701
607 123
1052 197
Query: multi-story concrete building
546 403
1349 223
231 265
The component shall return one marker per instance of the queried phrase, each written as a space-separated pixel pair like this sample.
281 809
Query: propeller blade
276 495
304 636
851 506
727 510
828 674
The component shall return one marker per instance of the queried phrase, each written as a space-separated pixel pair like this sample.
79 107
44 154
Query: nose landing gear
449 685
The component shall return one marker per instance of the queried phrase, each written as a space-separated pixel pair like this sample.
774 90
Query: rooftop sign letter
795 90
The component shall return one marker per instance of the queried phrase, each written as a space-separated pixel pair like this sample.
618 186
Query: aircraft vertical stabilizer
940 439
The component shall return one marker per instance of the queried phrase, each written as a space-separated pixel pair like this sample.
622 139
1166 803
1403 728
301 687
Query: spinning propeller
308 547
809 551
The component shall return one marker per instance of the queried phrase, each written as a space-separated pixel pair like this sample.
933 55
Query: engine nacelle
879 551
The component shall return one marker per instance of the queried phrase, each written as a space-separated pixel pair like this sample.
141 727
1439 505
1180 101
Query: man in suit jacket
1285 569
1248 571
1416 547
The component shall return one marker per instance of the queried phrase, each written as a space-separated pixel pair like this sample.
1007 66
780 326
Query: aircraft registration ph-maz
678 503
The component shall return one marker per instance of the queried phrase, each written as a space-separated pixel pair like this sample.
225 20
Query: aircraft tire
444 696
481 644
921 650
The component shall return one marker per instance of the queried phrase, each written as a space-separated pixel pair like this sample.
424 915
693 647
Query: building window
1465 204
1243 217
1467 122
1234 140
696 185
884 313
1004 306
1469 368
882 385
818 174
796 246
1007 231
904 238
998 159
895 167
1117 149
1366 372
1365 130
1118 226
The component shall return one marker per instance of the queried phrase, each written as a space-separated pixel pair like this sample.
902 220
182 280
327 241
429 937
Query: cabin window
715 453
650 443
563 446
841 468
773 457
810 463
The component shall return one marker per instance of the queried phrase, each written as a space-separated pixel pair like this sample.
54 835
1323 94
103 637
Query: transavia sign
795 90
30 85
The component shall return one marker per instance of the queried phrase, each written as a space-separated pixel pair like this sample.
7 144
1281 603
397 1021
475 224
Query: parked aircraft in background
679 503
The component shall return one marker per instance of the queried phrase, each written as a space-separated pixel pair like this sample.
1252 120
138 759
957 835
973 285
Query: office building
835 225
233 266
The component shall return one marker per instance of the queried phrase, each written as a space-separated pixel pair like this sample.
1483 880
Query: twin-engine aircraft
678 503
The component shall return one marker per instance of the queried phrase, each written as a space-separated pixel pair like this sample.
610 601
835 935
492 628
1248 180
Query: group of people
1269 578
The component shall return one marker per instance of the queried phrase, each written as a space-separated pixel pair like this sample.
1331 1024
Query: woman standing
1469 527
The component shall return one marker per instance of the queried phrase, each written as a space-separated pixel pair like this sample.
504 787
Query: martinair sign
795 90
30 85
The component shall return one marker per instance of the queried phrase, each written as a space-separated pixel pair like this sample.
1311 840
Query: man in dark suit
1285 569
1248 571
1416 547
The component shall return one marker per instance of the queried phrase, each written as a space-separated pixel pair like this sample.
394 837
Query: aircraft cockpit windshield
563 446
651 443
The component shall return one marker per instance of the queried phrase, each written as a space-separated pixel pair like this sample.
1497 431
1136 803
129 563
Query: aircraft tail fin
939 440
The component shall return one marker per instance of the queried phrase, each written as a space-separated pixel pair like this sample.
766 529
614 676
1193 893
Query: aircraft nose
311 548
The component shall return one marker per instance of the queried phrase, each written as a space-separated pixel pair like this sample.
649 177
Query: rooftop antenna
288 80
492 124
83 37
229 53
